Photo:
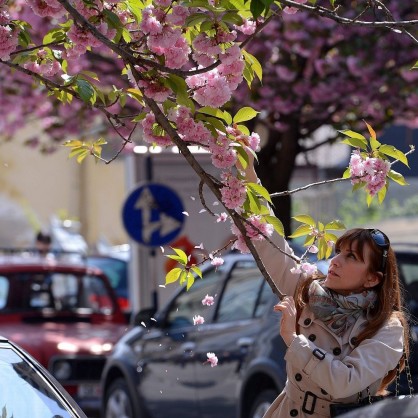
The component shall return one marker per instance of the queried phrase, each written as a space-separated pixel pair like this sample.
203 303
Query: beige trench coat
322 367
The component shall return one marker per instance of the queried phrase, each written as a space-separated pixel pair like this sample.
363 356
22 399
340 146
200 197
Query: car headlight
61 370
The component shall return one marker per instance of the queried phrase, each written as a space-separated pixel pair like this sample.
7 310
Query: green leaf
190 280
330 237
277 224
346 174
173 275
301 231
196 19
415 65
243 129
216 123
254 64
244 114
254 203
381 194
397 177
391 151
54 35
260 190
242 157
306 219
355 143
233 17
354 135
112 19
181 254
257 8
135 94
335 225
197 271
85 90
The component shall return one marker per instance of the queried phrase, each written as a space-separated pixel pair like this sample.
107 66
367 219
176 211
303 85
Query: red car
65 315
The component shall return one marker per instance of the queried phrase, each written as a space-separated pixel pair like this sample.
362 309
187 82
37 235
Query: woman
345 332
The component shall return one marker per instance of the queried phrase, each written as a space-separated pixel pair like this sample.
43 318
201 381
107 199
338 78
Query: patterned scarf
339 312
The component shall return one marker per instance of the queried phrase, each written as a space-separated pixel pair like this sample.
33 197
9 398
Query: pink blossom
155 90
8 41
233 193
212 359
248 27
51 8
208 300
222 217
313 249
308 268
252 232
198 320
150 24
178 15
217 261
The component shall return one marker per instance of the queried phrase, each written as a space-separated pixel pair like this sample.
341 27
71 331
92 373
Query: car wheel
118 402
261 403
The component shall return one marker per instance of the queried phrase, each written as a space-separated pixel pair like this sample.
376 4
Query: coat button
353 341
312 337
298 377
324 392
293 412
307 321
337 351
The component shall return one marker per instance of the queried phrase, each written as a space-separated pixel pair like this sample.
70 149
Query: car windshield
34 291
24 392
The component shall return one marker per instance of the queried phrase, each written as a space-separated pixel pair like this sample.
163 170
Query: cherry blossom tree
178 64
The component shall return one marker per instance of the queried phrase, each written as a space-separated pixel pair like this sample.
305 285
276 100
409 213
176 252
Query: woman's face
349 272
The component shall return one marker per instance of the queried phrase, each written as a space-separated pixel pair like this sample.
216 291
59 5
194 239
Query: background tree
317 72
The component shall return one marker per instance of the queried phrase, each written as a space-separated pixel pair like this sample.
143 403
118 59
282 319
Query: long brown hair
389 292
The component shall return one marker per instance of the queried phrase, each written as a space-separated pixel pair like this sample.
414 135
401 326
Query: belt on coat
310 402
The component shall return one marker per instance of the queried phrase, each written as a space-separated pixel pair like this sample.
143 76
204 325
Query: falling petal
185 213
162 249
202 210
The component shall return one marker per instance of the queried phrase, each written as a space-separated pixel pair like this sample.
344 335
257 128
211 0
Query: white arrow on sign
166 224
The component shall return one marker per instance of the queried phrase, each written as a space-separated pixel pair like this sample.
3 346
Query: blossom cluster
373 171
256 230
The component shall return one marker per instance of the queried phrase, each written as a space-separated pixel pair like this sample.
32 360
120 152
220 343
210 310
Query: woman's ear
373 279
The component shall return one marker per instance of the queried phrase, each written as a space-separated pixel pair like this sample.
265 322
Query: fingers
286 303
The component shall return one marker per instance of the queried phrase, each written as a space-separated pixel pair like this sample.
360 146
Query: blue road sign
153 214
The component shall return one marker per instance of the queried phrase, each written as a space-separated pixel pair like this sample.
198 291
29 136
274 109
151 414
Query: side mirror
144 317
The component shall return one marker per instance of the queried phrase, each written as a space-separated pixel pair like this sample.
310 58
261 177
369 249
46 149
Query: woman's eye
351 255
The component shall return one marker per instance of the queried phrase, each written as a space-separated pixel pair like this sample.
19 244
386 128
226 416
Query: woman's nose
335 260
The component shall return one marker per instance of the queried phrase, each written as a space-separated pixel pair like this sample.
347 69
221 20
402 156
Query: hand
288 321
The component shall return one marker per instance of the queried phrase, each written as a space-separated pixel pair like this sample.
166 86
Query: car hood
53 339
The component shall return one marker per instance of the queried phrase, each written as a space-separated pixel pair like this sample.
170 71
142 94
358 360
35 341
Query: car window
189 303
409 271
242 294
115 270
56 291
26 392
4 291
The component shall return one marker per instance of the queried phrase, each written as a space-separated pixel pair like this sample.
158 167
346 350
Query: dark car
29 390
161 370
65 315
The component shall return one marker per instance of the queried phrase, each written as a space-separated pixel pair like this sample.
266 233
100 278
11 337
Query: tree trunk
276 164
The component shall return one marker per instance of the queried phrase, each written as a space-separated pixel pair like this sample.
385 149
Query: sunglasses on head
382 241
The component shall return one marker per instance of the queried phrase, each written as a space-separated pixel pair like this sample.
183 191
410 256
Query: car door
167 358
230 336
